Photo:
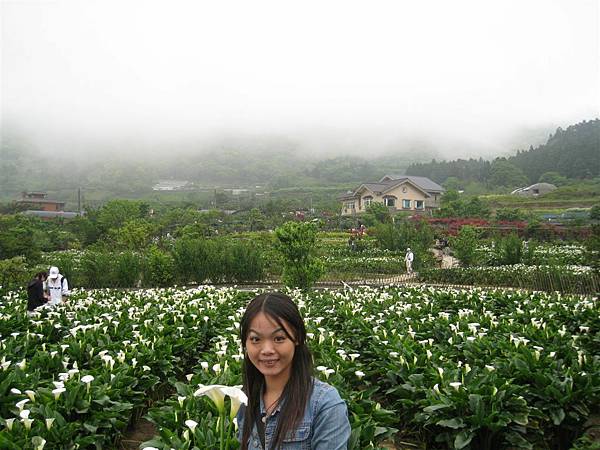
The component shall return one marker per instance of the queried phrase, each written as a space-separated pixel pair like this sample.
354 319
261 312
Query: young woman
36 296
287 408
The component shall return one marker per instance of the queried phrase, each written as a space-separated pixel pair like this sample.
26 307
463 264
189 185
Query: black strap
260 426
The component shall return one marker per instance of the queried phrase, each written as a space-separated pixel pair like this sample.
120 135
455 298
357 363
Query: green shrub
158 268
245 263
13 273
418 236
96 270
126 269
464 245
192 259
296 244
510 250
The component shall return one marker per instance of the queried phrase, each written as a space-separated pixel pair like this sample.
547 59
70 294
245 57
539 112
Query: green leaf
452 423
380 430
517 440
91 428
463 439
433 408
521 419
5 443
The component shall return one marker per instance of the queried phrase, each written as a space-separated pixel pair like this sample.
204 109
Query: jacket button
255 443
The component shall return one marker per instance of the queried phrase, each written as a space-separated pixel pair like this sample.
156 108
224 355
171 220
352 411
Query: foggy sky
362 76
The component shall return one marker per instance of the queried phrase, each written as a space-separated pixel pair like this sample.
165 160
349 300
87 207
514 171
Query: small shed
534 190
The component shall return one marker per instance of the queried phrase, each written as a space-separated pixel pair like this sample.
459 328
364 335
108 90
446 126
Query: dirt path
142 431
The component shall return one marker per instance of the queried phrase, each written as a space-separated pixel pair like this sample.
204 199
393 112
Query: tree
510 250
255 219
453 205
510 214
133 235
376 213
116 212
504 173
554 178
464 245
452 183
296 245
17 237
418 236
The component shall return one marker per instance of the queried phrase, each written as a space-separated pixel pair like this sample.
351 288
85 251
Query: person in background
57 285
36 296
408 259
287 407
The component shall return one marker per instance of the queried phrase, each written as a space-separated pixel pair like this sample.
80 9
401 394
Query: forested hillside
572 153
119 171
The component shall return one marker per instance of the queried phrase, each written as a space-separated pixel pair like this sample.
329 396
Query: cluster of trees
568 154
573 153
130 225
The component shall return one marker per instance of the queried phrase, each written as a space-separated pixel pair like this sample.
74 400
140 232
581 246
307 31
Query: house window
368 201
419 204
406 204
389 201
349 205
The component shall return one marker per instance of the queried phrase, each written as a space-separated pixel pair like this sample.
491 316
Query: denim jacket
325 424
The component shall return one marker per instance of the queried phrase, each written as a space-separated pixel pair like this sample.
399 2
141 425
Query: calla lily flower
57 392
21 404
27 423
237 396
30 394
24 414
9 423
215 393
191 424
38 442
49 423
456 384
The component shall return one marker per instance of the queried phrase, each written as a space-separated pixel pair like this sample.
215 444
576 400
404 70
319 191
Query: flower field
574 279
437 368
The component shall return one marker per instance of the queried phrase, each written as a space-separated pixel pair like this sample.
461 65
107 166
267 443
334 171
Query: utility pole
79 200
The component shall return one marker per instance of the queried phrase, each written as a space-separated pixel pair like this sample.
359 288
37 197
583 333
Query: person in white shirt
408 259
58 287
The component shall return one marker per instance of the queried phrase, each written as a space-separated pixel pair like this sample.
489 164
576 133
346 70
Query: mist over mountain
130 165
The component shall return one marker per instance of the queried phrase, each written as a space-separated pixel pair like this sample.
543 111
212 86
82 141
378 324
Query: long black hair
278 307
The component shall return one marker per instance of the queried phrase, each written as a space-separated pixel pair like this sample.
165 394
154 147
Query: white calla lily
215 393
87 379
191 424
9 423
57 392
27 423
238 398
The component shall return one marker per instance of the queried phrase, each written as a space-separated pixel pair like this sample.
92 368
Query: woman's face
269 347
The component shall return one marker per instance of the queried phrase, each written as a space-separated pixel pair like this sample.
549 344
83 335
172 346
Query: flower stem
222 431
229 426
